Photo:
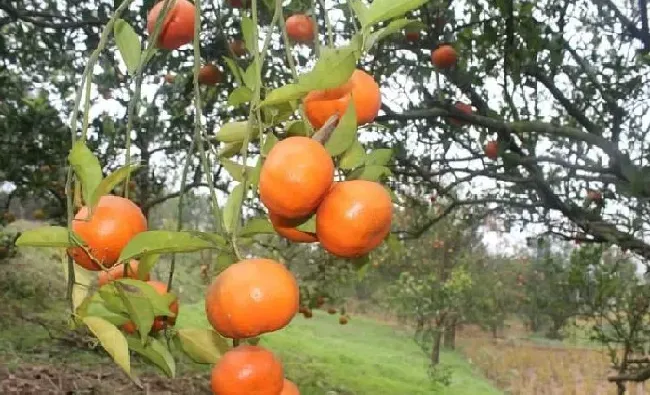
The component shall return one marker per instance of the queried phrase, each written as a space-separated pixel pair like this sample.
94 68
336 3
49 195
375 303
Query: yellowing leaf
203 345
112 340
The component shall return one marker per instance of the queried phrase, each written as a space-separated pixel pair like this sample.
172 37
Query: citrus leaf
98 309
140 310
81 287
256 226
111 182
370 173
247 27
159 303
269 143
334 68
353 157
202 345
166 242
253 341
232 132
296 128
235 70
382 10
309 225
284 94
360 11
393 27
239 96
380 157
232 205
224 260
147 263
235 169
156 352
250 76
254 175
363 269
111 300
87 168
230 149
128 42
48 236
345 133
112 340
393 243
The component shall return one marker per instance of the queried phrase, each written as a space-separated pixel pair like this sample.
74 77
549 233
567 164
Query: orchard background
512 136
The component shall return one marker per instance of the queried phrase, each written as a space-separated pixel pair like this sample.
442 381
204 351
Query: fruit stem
325 132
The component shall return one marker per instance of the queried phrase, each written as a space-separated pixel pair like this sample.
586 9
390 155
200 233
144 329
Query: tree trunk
450 335
435 351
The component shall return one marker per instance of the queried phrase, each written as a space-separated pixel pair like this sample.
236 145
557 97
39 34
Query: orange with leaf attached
354 218
295 177
251 297
361 88
177 28
247 370
114 222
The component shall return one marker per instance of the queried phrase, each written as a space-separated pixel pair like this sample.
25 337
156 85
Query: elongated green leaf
382 10
380 157
147 263
112 340
250 76
111 300
247 28
235 70
360 11
87 168
232 132
370 173
353 157
48 236
269 143
239 96
296 128
284 94
393 243
111 182
98 309
203 345
393 27
309 225
156 352
345 133
159 303
166 242
254 175
128 42
232 205
333 69
230 149
256 226
140 310
235 169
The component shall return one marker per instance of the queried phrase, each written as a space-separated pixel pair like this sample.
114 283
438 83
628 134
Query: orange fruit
300 28
343 320
444 56
159 323
460 106
117 272
170 78
251 297
289 388
238 47
412 36
295 177
210 75
308 314
113 224
354 218
492 150
361 87
247 370
287 229
178 26
331 310
594 195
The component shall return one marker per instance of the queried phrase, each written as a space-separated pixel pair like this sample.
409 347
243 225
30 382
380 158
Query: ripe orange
594 195
251 297
177 27
289 388
287 229
159 323
466 108
247 370
331 310
412 36
444 56
113 224
354 218
295 177
492 150
361 87
300 28
117 272
238 47
210 75
308 313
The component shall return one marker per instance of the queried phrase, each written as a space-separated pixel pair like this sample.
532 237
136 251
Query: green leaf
239 96
147 263
111 182
230 149
363 264
224 260
166 242
128 42
98 309
272 115
296 128
393 243
334 68
139 308
233 132
235 169
370 173
87 168
111 300
393 27
254 175
382 10
203 345
48 236
380 157
353 157
309 225
345 133
232 206
235 70
256 226
250 76
284 94
247 28
140 289
156 352
253 341
360 11
269 143
112 340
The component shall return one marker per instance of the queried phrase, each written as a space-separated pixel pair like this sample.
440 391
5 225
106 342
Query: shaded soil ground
47 379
